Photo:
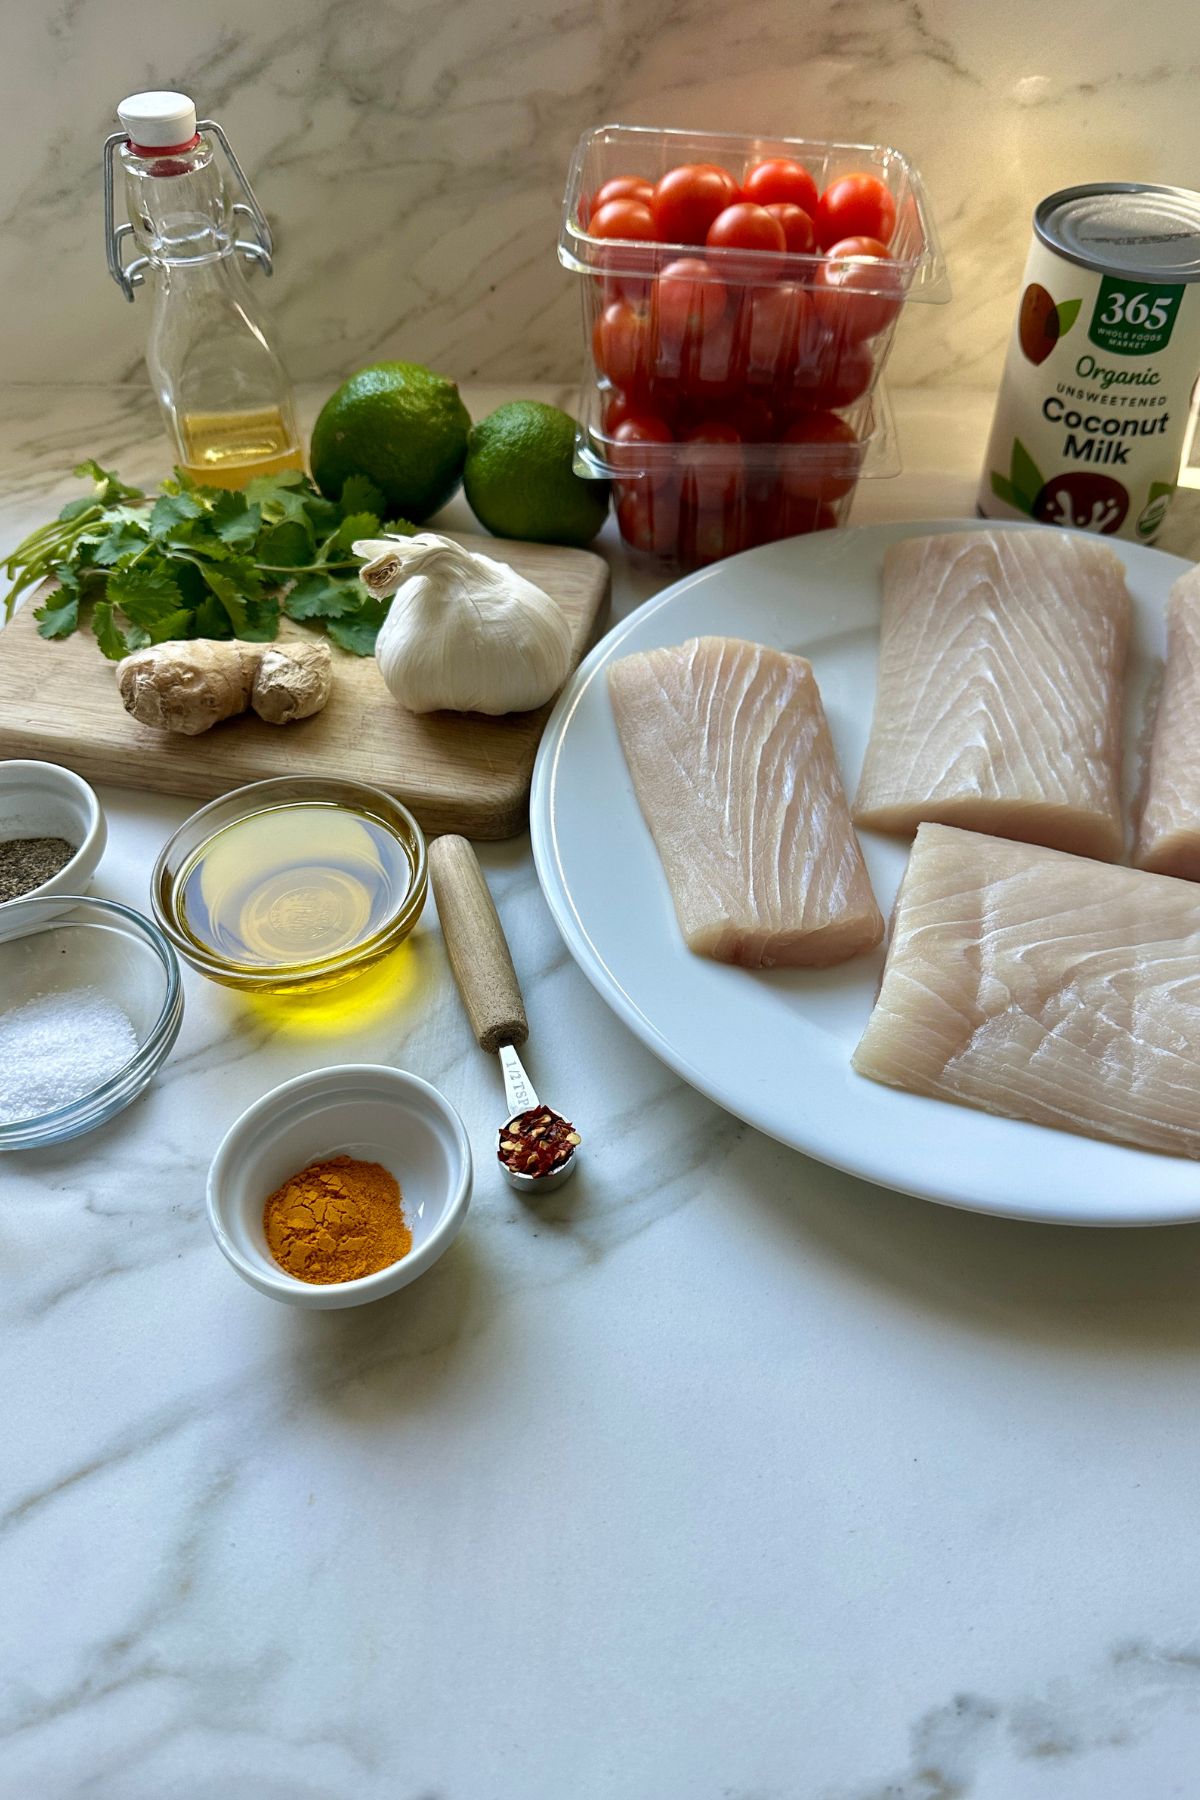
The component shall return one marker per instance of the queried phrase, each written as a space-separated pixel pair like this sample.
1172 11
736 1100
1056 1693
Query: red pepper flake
537 1141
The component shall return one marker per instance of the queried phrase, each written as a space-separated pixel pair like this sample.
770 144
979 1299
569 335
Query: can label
1132 319
1093 409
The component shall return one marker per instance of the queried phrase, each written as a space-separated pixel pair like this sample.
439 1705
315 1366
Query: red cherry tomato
621 344
766 521
648 516
840 374
623 219
688 300
779 179
778 514
710 532
856 299
830 476
712 431
775 325
713 368
855 206
713 477
798 232
624 187
630 438
744 226
634 288
688 199
753 419
617 404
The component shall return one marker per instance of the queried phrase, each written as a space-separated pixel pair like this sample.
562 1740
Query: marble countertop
718 1476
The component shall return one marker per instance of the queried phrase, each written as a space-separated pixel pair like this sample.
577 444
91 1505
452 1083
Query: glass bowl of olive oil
287 886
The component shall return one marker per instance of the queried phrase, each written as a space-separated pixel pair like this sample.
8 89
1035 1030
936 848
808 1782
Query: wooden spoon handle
476 945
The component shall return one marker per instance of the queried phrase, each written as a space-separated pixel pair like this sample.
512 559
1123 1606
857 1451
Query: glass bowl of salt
91 1003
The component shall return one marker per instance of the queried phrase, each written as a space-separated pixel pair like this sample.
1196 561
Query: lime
400 425
520 482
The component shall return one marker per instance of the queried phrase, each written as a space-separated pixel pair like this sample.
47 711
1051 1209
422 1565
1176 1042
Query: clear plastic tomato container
798 330
761 363
682 504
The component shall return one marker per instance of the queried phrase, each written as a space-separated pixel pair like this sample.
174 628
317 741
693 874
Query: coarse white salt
56 1048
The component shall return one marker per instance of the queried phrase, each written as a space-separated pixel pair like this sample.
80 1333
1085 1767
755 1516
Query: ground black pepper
26 862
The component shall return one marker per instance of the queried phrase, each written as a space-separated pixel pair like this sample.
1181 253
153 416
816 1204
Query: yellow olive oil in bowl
287 886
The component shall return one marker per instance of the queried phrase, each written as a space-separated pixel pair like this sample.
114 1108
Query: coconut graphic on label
1041 322
1076 498
1082 502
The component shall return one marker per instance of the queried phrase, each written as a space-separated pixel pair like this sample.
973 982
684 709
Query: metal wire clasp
130 275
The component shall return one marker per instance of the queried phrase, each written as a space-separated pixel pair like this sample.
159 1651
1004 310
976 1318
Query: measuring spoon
483 969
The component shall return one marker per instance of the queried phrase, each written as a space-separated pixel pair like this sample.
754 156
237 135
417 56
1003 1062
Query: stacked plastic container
751 376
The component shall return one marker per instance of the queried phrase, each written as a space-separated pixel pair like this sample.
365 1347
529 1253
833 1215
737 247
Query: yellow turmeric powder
336 1221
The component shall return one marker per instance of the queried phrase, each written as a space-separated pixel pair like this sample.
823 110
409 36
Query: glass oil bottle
225 396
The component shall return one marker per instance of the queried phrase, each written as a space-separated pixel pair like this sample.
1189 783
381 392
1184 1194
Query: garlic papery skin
464 633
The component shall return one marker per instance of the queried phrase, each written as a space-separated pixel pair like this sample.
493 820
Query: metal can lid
1125 227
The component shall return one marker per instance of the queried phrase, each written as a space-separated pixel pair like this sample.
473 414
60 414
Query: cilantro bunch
207 562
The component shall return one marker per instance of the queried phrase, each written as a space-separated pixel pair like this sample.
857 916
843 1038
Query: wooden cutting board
457 771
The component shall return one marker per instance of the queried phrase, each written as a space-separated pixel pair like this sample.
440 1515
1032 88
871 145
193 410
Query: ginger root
191 685
292 682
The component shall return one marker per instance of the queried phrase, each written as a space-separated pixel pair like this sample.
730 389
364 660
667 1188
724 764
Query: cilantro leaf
234 521
397 528
170 510
171 625
192 586
89 466
113 642
112 488
58 617
323 516
357 635
144 595
288 506
322 597
241 571
210 620
194 537
253 619
221 585
73 508
124 539
356 525
359 494
287 545
67 578
271 490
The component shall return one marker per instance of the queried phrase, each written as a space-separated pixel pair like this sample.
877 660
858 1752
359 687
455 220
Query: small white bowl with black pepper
52 831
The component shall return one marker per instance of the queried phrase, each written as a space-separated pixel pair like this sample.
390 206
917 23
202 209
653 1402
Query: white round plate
774 1046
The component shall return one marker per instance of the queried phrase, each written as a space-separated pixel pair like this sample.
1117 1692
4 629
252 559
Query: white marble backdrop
412 152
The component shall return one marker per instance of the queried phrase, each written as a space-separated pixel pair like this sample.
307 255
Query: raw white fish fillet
1169 833
999 700
735 772
1044 986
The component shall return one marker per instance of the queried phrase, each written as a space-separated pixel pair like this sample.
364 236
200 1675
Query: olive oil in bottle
224 393
293 887
228 449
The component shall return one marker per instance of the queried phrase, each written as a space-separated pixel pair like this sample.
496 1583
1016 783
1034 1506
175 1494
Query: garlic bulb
464 633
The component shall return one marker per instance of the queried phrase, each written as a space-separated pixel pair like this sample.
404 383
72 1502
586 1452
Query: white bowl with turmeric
341 1186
